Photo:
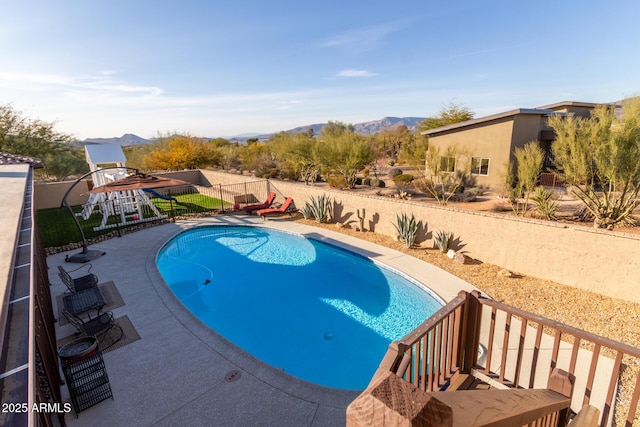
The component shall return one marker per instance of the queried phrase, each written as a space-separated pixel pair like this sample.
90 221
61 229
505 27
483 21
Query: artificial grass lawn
57 227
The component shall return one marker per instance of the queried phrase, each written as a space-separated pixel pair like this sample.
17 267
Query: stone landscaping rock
460 258
451 254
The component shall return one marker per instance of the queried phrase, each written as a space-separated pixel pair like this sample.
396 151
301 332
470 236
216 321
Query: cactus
361 218
407 229
442 239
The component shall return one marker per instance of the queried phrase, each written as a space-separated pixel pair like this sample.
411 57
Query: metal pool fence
60 232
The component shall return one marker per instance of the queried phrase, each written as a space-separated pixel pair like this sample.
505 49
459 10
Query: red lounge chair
282 209
265 205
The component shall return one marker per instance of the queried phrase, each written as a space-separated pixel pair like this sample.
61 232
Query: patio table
84 301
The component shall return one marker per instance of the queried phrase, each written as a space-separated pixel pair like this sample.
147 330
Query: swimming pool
318 312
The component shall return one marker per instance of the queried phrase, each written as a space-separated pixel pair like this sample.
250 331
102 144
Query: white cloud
364 39
355 73
96 85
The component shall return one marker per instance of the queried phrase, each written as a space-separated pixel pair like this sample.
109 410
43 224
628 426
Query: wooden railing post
562 382
390 361
470 333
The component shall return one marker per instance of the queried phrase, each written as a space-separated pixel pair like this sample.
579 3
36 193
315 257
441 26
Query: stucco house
491 141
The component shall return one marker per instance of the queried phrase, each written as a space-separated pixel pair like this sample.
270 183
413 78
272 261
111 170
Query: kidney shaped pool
316 311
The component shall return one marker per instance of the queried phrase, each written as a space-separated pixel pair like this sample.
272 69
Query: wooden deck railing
512 348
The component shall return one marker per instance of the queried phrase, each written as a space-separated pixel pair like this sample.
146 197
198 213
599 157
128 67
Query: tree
448 115
390 139
37 138
529 161
29 137
297 153
256 157
183 152
62 164
599 158
413 152
343 150
445 172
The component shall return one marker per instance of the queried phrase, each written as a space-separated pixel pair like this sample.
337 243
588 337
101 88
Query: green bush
403 178
336 181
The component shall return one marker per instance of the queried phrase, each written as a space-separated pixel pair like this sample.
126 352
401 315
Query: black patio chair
80 283
96 327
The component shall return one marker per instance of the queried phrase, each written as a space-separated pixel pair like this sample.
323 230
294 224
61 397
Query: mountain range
364 128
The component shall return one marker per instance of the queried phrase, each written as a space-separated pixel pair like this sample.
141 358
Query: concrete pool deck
176 373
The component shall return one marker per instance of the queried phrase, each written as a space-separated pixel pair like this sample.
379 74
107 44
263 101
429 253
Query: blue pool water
318 312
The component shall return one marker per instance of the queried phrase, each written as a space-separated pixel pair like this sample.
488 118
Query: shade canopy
138 181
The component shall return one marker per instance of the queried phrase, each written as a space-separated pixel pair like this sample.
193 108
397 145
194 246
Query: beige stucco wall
488 141
50 195
600 261
526 128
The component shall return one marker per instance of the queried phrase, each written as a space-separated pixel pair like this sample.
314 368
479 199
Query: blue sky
221 68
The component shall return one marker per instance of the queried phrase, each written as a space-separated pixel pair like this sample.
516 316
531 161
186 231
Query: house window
479 166
447 164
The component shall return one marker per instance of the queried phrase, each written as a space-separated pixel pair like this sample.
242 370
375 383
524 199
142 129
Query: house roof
14 159
568 104
533 111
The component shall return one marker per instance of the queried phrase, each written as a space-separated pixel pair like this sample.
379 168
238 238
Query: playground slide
158 195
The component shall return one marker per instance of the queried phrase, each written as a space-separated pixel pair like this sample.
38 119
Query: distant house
491 140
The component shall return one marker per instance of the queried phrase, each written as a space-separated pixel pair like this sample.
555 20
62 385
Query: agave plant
318 207
442 239
546 206
306 212
407 229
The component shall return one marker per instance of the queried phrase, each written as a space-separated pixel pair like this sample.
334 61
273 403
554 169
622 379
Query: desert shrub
465 196
365 172
358 181
403 179
366 181
336 181
289 174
